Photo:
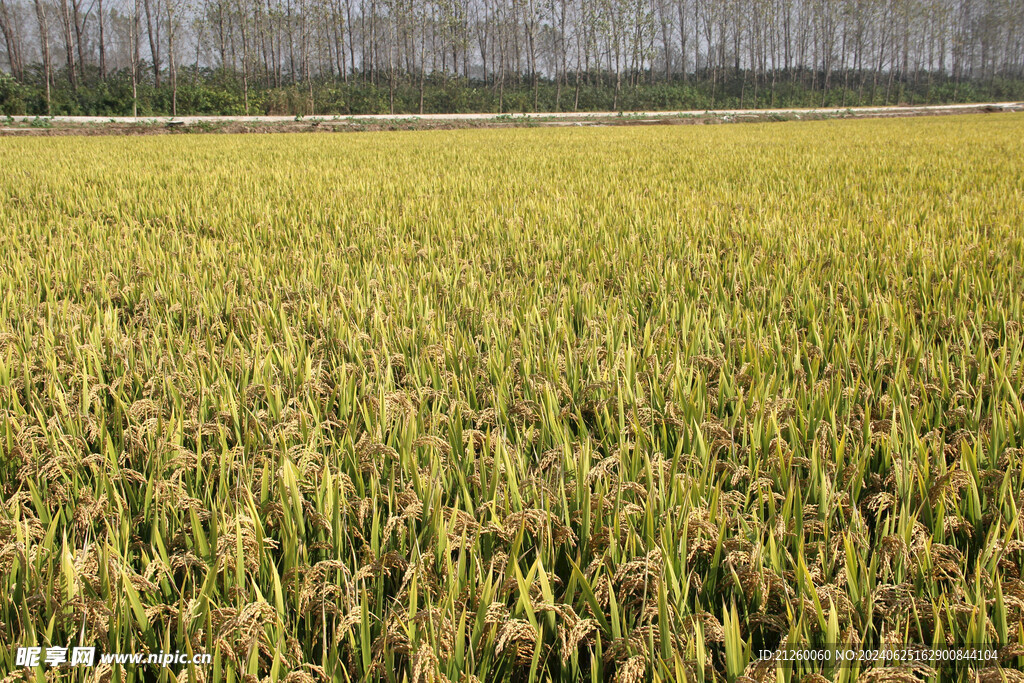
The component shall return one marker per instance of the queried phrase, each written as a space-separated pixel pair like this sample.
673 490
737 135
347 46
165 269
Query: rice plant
619 404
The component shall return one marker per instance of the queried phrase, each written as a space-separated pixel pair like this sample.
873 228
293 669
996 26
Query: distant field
553 404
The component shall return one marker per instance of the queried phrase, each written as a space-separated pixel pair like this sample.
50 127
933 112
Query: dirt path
126 125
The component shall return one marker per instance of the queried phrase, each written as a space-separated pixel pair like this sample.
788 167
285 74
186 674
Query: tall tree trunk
351 39
10 34
153 30
134 29
79 24
681 11
44 43
103 42
423 58
391 66
69 43
172 66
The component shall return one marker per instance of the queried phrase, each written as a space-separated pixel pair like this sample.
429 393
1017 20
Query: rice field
592 404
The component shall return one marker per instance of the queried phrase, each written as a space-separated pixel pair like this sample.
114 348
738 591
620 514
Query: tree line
407 56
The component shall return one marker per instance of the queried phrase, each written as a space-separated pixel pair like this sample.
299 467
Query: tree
727 52
44 46
11 40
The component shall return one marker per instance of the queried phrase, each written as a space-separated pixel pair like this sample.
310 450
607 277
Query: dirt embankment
86 125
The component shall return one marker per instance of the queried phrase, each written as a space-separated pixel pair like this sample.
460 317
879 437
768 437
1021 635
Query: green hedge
213 92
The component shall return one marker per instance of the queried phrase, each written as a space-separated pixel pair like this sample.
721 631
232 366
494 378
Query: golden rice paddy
628 403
